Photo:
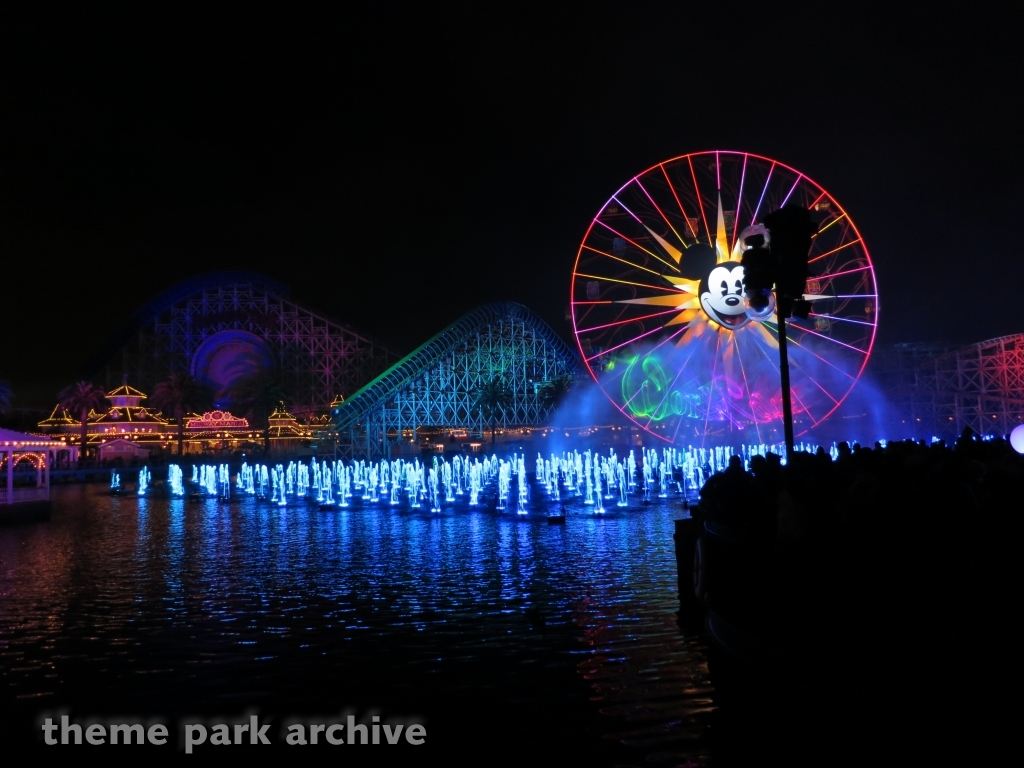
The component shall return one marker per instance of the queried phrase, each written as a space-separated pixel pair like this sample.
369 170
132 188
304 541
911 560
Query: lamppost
775 278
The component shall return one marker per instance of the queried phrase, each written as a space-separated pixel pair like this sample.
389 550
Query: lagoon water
503 634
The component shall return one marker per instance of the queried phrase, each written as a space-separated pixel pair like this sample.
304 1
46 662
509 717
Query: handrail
24 494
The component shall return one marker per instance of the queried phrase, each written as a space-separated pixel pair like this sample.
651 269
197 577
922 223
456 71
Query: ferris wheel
658 311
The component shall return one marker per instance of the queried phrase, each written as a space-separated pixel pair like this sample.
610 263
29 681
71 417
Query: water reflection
170 606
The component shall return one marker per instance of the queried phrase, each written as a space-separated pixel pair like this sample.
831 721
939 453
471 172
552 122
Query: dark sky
398 167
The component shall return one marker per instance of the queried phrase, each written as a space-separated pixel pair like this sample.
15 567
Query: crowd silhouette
888 573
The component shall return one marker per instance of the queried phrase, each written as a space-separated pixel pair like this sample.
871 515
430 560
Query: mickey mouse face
722 296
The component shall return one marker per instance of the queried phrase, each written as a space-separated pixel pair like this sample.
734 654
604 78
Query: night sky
400 166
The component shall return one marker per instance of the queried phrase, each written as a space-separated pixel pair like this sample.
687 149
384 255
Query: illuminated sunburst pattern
658 308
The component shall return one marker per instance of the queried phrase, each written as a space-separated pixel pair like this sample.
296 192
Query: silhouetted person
735 466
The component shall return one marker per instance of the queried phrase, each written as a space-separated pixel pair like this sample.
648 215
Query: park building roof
58 419
126 418
125 397
16 441
284 426
126 415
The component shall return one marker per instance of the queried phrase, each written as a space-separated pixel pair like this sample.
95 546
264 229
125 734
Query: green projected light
647 393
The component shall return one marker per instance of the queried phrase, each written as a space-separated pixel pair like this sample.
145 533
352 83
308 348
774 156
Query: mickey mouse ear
698 260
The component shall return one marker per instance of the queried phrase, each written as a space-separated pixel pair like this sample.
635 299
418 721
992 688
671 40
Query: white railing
24 494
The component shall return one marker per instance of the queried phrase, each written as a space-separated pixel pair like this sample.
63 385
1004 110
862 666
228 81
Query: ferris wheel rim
822 193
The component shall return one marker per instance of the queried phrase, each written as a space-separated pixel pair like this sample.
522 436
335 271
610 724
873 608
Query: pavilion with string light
22 496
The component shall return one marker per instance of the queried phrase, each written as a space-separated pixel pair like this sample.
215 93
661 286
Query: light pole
779 263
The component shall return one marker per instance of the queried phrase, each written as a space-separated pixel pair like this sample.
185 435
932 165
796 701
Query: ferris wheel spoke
834 250
827 338
811 352
711 391
669 338
700 201
836 220
767 181
739 204
587 311
623 206
792 390
775 367
631 398
814 420
816 201
661 213
796 364
678 201
764 346
746 384
623 344
827 393
664 288
668 389
633 242
799 178
620 372
675 432
800 402
628 320
830 275
673 252
843 319
624 261
672 300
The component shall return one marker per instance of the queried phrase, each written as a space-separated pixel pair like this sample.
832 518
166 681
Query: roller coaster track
436 385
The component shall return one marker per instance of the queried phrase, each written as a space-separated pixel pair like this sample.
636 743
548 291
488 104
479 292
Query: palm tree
492 398
178 394
80 398
554 392
260 393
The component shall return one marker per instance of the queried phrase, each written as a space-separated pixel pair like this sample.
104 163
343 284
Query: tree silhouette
492 398
5 396
259 393
178 394
80 398
554 392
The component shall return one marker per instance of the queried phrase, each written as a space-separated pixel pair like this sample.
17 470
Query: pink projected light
656 301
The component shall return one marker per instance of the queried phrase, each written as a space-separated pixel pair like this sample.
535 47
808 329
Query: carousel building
126 430
127 415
